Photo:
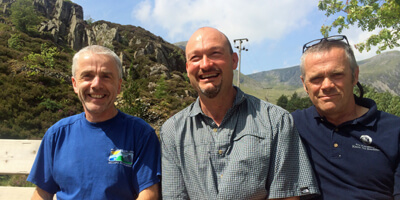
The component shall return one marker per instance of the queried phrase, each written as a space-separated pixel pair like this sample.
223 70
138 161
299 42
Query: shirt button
220 152
336 129
335 145
215 130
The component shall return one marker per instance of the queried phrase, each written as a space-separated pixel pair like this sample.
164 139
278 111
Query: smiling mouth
327 96
209 76
97 96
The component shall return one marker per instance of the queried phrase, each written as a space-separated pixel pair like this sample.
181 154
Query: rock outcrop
66 25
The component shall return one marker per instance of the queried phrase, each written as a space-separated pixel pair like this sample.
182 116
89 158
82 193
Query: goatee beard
212 92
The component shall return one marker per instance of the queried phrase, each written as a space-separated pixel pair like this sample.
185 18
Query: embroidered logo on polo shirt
305 190
366 139
364 147
120 156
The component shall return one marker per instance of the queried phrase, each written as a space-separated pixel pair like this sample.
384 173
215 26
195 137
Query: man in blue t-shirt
353 147
101 153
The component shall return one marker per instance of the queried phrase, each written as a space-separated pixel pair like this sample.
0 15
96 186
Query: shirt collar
239 98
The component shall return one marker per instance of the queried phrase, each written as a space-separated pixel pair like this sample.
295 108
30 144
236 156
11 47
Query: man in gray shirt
227 144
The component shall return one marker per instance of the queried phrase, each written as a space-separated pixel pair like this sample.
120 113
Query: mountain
382 72
35 67
181 45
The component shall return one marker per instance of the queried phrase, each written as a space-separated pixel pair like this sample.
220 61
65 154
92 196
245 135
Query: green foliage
15 180
294 103
282 101
132 104
90 21
29 105
385 101
161 88
24 16
50 105
367 15
177 53
45 58
15 41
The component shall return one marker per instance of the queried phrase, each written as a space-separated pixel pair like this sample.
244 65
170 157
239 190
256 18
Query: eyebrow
90 71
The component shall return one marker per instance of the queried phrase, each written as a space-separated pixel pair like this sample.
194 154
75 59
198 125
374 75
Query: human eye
194 58
316 80
86 76
216 53
337 75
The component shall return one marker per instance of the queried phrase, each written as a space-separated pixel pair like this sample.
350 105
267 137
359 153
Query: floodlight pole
240 55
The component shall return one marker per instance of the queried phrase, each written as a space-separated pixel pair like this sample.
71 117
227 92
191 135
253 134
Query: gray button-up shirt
255 153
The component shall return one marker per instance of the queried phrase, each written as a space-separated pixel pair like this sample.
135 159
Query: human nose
96 82
206 62
327 83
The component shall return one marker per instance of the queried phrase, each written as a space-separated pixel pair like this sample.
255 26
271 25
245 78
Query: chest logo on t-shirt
120 156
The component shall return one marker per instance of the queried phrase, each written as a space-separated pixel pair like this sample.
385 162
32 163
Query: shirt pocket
250 150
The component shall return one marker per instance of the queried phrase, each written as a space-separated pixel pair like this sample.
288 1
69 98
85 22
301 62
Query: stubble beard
211 92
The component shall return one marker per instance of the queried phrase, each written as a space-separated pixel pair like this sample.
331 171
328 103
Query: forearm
150 193
40 194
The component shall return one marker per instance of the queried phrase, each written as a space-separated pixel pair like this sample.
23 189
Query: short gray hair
325 46
97 49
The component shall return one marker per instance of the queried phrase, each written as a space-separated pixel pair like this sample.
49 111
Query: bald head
206 33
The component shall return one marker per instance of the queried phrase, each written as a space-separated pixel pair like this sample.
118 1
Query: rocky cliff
65 23
155 85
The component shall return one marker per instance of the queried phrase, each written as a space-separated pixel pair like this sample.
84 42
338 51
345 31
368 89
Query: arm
290 170
172 185
152 192
40 194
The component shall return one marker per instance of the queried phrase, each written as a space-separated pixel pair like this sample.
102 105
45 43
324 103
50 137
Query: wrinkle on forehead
202 35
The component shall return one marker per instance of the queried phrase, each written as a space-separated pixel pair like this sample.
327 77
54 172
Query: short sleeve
42 170
291 173
147 167
173 186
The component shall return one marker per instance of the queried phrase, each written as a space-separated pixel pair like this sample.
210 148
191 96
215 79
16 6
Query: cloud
258 20
356 35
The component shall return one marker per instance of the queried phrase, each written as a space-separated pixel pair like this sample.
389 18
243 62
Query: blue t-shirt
358 159
115 159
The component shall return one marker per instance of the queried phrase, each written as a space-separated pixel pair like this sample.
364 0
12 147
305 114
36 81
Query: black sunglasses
333 38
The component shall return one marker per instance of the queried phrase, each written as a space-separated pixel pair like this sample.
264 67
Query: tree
295 102
23 15
367 15
282 101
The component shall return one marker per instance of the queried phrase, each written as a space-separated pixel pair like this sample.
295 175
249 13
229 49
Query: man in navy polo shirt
353 147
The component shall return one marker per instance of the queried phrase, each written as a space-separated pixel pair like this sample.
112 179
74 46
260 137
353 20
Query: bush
24 16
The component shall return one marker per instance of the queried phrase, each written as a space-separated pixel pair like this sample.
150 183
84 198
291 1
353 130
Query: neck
101 117
354 113
217 107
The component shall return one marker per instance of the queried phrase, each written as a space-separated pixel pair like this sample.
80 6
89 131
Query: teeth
97 96
209 75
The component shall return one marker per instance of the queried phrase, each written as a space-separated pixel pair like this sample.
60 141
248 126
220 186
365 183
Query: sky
276 29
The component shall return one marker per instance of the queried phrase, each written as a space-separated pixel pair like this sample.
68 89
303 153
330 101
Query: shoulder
65 122
374 113
135 122
179 117
300 115
388 118
266 108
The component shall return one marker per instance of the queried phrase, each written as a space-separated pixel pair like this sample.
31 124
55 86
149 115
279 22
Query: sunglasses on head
333 38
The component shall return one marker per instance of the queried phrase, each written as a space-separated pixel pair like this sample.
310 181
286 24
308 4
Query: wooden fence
16 157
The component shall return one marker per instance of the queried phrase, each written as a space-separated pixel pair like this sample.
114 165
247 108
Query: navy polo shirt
358 159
